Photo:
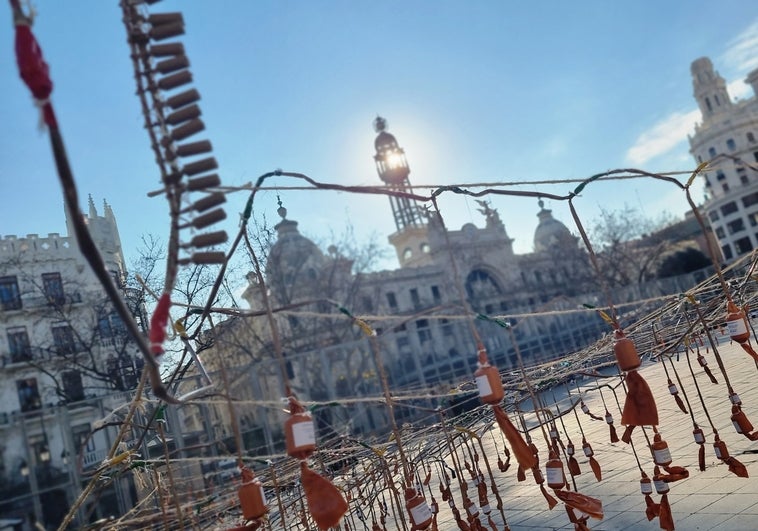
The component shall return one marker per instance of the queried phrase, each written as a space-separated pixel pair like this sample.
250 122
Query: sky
479 91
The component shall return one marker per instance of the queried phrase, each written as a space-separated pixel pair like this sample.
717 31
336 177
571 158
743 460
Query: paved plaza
714 499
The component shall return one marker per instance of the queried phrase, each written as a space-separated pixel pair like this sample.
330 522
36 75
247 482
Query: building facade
728 137
422 319
64 354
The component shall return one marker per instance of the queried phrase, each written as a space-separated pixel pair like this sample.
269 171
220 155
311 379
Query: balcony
53 300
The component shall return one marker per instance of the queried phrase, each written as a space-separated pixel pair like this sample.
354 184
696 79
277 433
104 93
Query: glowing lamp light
391 164
44 455
24 469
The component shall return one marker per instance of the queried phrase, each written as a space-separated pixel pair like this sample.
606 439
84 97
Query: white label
263 496
661 487
673 390
702 361
421 513
736 327
718 452
554 434
570 450
588 451
662 457
737 426
735 398
303 433
699 437
609 419
646 487
472 509
585 408
483 383
554 475
486 509
451 503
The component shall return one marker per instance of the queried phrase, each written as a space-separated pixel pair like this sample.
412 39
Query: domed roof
384 141
549 230
292 250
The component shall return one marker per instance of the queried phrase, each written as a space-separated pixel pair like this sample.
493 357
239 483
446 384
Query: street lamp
64 457
44 455
24 469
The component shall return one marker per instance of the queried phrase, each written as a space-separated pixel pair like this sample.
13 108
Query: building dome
385 141
294 261
549 231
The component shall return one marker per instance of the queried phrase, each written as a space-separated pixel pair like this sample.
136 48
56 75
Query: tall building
64 353
728 136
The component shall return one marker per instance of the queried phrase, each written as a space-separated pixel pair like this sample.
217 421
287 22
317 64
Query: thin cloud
741 54
662 137
738 89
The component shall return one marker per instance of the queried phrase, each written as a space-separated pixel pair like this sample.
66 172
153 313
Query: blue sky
479 91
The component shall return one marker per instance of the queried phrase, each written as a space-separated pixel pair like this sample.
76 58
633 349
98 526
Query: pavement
714 499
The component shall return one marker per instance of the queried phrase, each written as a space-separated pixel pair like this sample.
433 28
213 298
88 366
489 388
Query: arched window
481 285
750 137
712 152
731 145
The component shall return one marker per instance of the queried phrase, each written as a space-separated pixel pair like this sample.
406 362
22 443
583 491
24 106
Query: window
63 337
424 333
712 152
743 245
738 225
720 234
415 298
367 303
10 297
729 208
750 137
753 218
436 295
403 344
731 145
720 175
52 286
750 199
727 250
72 385
28 395
425 248
743 179
713 215
725 187
391 300
18 341
407 253
82 441
447 328
755 155
708 104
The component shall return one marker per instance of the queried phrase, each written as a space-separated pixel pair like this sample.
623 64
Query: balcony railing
53 299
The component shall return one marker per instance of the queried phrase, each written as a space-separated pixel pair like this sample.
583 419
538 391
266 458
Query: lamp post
23 469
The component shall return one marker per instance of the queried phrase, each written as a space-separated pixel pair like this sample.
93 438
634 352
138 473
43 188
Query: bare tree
68 330
627 246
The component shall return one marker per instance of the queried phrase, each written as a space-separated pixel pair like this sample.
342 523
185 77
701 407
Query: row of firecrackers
484 508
